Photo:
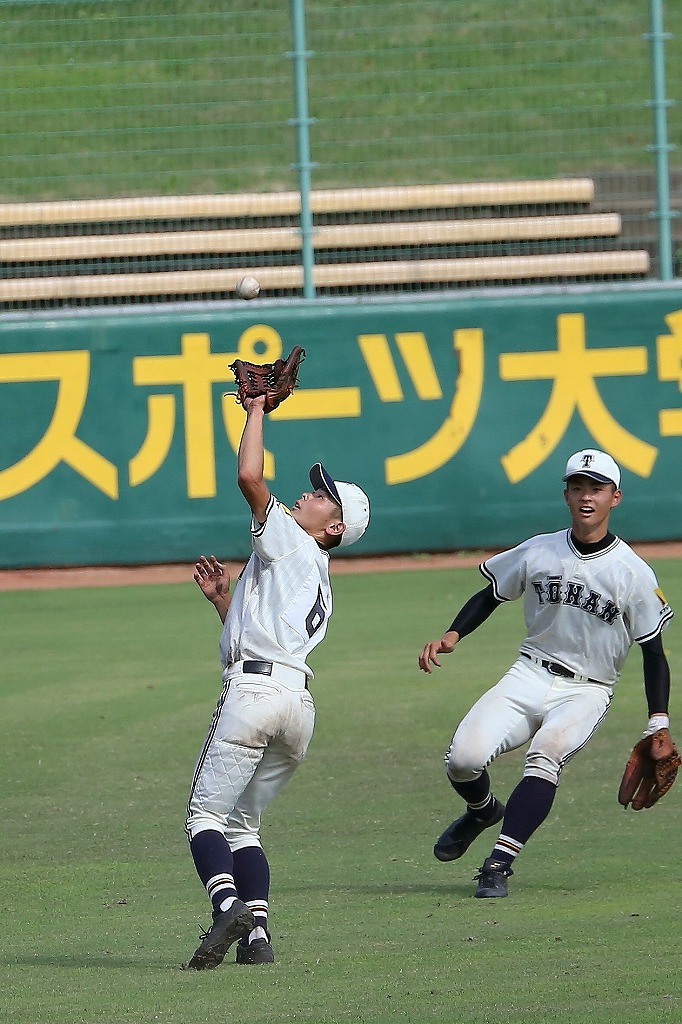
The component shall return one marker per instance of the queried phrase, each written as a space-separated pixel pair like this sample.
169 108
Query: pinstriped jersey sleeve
279 534
507 572
648 611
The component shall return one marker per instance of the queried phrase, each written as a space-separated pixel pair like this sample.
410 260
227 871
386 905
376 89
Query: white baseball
248 288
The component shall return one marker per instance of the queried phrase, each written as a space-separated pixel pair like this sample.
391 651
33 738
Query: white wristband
657 722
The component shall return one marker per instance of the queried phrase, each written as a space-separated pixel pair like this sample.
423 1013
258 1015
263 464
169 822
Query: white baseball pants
258 736
556 714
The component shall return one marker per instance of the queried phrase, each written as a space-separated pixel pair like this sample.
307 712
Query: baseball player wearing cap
265 714
587 599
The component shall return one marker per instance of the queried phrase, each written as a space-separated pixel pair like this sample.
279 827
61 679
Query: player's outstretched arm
250 458
477 609
429 655
214 582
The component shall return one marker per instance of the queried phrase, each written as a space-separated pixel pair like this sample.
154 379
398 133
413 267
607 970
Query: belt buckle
555 670
255 667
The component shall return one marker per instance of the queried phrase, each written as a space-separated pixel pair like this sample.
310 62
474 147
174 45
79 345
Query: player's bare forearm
222 606
214 582
250 459
430 652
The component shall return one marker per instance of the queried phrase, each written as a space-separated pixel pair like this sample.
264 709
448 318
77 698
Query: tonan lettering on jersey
553 590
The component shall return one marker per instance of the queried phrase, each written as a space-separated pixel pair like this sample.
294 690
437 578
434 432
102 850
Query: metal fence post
660 146
302 122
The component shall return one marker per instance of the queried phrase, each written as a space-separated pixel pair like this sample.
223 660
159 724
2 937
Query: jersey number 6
316 615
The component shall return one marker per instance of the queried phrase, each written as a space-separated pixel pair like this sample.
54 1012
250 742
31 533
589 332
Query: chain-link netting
149 148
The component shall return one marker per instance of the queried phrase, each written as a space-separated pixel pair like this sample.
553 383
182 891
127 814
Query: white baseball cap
352 499
595 464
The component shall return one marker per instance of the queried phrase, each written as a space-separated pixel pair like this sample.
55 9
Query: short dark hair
333 542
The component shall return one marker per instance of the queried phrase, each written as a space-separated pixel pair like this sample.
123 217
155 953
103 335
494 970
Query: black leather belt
555 669
258 668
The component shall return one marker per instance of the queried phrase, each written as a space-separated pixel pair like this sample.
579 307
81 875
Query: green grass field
105 696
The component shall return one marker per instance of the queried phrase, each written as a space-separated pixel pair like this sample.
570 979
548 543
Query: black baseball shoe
492 878
257 952
459 836
227 927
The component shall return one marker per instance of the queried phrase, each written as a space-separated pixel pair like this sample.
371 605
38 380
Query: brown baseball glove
650 772
274 380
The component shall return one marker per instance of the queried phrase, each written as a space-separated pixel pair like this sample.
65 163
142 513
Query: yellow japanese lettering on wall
414 350
573 369
182 392
262 344
413 347
442 446
196 370
669 358
59 443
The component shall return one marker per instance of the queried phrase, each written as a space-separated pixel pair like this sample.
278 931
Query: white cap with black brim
352 500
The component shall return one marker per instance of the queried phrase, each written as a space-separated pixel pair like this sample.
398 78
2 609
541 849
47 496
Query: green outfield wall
118 433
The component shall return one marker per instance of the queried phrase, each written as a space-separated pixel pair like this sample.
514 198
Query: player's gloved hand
650 771
274 381
429 655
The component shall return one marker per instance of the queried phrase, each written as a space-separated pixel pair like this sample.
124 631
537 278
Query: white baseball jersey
582 611
283 599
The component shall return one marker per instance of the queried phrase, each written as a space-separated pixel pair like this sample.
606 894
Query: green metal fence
126 98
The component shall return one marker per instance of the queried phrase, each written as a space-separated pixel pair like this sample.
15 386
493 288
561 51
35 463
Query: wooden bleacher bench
333 200
80 250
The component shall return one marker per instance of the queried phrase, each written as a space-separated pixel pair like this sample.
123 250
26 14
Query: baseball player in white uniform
264 719
587 599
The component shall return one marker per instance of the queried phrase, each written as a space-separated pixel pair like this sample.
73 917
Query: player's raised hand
429 655
258 402
212 578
